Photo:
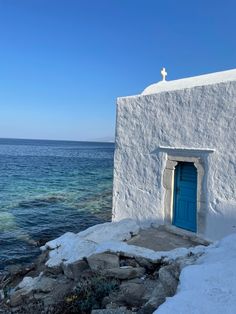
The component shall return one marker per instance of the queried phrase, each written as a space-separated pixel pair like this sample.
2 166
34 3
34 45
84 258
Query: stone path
162 239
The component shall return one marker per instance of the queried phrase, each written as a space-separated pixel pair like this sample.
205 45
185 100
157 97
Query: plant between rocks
88 295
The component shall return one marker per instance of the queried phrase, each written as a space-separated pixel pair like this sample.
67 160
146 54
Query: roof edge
201 80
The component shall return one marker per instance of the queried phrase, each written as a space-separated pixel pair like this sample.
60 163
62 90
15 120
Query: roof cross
164 74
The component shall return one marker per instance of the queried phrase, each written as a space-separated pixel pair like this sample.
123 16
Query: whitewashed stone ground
134 269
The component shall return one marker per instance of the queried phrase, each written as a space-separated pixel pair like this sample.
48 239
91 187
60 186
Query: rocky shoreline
115 278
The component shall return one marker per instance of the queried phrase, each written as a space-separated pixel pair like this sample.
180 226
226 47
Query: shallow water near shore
48 188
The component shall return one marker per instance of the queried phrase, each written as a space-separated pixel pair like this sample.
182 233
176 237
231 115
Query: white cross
164 74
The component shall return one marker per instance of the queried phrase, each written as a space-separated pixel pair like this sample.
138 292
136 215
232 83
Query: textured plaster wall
195 118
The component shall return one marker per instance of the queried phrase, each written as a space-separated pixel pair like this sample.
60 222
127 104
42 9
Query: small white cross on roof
164 74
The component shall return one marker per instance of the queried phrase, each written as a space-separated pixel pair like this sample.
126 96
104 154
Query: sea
48 188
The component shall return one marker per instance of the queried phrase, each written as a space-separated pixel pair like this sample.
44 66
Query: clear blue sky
64 62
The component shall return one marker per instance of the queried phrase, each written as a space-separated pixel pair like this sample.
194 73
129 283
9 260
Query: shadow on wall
221 220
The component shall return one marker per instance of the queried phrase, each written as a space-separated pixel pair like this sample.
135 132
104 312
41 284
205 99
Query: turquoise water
48 188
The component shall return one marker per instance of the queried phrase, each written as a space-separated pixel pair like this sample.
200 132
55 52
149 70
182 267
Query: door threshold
193 236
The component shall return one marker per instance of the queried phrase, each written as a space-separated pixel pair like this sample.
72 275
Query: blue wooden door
185 196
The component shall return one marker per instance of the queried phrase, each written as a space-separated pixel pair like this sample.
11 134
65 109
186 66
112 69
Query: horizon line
57 140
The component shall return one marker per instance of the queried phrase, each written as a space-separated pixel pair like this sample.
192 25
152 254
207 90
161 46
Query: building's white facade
189 120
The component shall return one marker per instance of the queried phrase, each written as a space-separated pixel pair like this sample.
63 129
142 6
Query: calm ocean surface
48 188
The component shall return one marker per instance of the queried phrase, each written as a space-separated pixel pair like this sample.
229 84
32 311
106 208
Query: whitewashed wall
198 117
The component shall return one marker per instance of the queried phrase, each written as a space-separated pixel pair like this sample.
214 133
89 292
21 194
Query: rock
149 285
45 284
31 306
158 296
106 301
28 282
135 280
39 296
103 261
1 295
121 310
42 258
169 277
14 274
64 287
143 262
129 262
45 291
14 269
112 305
18 297
58 293
37 284
124 273
56 270
132 293
49 303
74 270
166 287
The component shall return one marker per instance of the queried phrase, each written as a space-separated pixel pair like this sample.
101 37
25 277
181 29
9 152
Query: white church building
175 156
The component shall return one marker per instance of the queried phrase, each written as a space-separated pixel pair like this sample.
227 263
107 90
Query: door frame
168 183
